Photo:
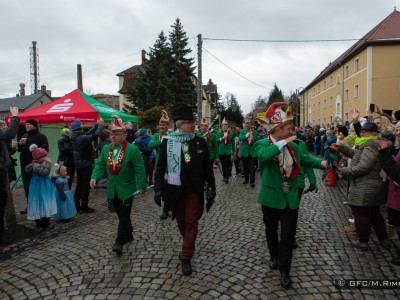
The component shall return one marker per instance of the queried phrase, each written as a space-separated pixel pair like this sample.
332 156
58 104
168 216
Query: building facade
368 72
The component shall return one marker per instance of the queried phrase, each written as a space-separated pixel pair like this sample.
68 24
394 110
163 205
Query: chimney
43 89
80 84
22 89
143 57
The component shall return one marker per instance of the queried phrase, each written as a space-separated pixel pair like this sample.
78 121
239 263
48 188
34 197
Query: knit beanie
37 153
32 122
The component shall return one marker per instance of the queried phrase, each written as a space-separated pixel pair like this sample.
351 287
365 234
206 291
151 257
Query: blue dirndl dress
66 208
41 198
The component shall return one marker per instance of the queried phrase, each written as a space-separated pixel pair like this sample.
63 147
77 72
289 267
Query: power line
237 73
283 41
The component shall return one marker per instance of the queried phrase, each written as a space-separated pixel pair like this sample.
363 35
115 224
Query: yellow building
368 72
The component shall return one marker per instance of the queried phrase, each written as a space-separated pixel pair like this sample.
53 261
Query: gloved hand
158 197
311 188
210 199
247 135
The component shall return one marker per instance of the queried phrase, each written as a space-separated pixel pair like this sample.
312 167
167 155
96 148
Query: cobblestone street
74 260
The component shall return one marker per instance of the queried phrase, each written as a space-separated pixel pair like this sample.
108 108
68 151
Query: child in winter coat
41 198
65 201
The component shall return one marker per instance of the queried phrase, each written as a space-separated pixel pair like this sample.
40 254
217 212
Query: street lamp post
298 91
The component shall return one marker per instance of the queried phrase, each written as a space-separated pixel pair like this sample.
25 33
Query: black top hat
369 126
183 113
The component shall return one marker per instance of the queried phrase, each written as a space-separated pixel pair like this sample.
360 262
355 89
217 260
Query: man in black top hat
182 171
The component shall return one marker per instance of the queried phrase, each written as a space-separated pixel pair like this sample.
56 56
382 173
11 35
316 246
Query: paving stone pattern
74 260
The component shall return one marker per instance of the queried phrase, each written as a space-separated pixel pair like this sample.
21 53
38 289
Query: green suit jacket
309 172
212 144
156 143
130 178
245 148
226 149
271 194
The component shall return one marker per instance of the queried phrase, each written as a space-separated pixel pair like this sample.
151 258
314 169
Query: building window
346 95
338 87
319 121
346 71
314 107
330 101
356 65
331 81
324 120
356 91
331 118
337 108
319 105
319 88
346 116
313 91
324 85
324 103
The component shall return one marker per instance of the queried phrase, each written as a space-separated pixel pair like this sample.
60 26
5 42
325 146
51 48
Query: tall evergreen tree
182 67
152 85
233 112
276 95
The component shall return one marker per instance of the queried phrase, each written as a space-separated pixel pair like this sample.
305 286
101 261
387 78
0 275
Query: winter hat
142 131
116 125
37 153
278 114
65 130
2 122
32 122
164 117
369 126
397 115
76 125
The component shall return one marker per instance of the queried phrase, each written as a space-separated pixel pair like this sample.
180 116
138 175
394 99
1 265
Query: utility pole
199 79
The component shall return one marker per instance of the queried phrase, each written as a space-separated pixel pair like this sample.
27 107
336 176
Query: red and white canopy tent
73 106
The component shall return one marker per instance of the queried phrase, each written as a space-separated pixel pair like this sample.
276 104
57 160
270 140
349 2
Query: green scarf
174 148
360 141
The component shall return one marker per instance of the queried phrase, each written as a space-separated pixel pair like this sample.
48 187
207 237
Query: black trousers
249 170
26 181
82 190
281 249
125 228
226 165
3 195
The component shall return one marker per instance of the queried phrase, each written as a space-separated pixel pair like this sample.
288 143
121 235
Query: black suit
187 200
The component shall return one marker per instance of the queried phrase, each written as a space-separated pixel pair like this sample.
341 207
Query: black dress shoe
245 182
273 263
117 248
164 215
285 281
252 184
86 209
129 239
186 267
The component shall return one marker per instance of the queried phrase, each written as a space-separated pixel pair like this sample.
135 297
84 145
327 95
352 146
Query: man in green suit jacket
247 137
126 175
210 138
280 160
226 145
155 142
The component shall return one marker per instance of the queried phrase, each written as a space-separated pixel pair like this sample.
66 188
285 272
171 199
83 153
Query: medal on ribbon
185 149
285 187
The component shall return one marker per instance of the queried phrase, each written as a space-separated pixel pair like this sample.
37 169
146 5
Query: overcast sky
106 37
